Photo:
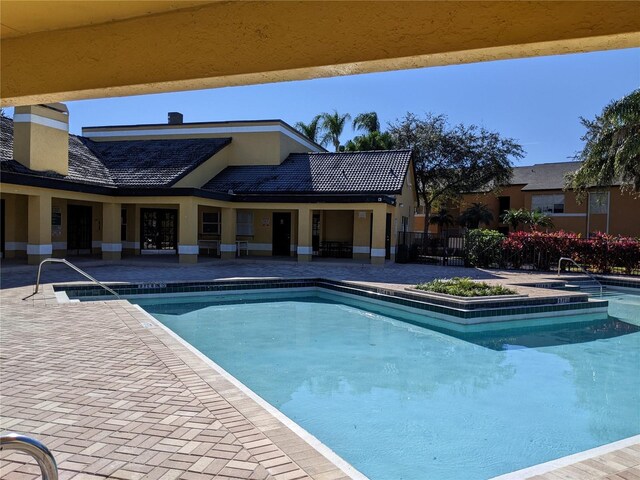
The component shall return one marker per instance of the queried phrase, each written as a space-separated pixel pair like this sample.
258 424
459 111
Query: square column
39 244
379 230
305 247
111 239
228 235
188 248
361 234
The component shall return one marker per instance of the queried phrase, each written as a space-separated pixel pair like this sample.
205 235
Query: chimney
41 137
175 118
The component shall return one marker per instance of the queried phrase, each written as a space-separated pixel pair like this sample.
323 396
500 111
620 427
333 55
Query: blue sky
537 101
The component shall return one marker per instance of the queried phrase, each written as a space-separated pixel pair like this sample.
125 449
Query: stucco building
541 187
189 189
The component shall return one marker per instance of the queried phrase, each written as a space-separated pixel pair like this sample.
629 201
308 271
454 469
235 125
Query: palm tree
612 148
537 219
514 218
333 124
476 214
311 130
370 141
442 218
367 122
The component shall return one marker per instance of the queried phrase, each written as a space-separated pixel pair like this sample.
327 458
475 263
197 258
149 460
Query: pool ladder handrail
581 268
31 446
71 265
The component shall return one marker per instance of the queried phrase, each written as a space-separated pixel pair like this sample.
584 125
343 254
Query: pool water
402 401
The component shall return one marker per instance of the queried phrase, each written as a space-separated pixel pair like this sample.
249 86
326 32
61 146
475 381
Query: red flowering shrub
538 250
601 253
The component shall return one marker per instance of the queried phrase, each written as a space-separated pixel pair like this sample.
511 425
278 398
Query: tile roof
346 172
134 163
543 176
84 166
153 163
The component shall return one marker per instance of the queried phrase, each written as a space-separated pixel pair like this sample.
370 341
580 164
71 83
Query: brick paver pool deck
114 395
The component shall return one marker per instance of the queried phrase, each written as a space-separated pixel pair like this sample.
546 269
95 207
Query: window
244 225
599 202
210 223
123 224
549 204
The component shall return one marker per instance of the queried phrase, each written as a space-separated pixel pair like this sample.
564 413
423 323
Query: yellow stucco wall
15 216
41 147
50 53
337 226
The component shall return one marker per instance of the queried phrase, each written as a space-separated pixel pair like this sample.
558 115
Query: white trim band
44 121
46 249
357 249
568 214
12 246
305 250
188 249
199 131
112 247
227 247
378 252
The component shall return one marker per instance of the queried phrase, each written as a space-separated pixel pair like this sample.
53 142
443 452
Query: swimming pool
400 400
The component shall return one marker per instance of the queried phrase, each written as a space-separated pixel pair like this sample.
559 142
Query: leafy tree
311 130
476 214
442 218
537 219
367 122
332 126
514 218
451 160
371 141
612 148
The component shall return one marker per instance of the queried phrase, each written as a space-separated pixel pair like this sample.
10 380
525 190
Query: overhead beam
237 43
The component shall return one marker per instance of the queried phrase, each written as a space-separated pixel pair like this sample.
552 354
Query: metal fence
458 250
435 249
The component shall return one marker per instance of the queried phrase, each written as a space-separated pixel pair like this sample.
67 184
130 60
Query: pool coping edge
307 437
568 460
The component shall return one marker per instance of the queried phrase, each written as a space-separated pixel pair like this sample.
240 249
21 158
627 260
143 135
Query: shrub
464 287
484 247
601 253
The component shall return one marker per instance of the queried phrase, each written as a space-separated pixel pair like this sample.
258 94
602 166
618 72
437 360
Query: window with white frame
210 223
548 204
599 202
244 225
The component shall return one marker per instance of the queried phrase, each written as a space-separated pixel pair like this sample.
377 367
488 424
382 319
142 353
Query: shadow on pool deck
145 269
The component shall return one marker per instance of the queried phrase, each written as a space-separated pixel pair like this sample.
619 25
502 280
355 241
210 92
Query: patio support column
228 235
305 248
361 235
379 219
39 244
111 235
188 232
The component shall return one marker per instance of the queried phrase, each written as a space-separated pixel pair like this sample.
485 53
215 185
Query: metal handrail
69 264
590 275
42 455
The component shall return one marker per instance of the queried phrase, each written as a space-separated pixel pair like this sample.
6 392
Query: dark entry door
387 238
78 229
281 242
159 229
